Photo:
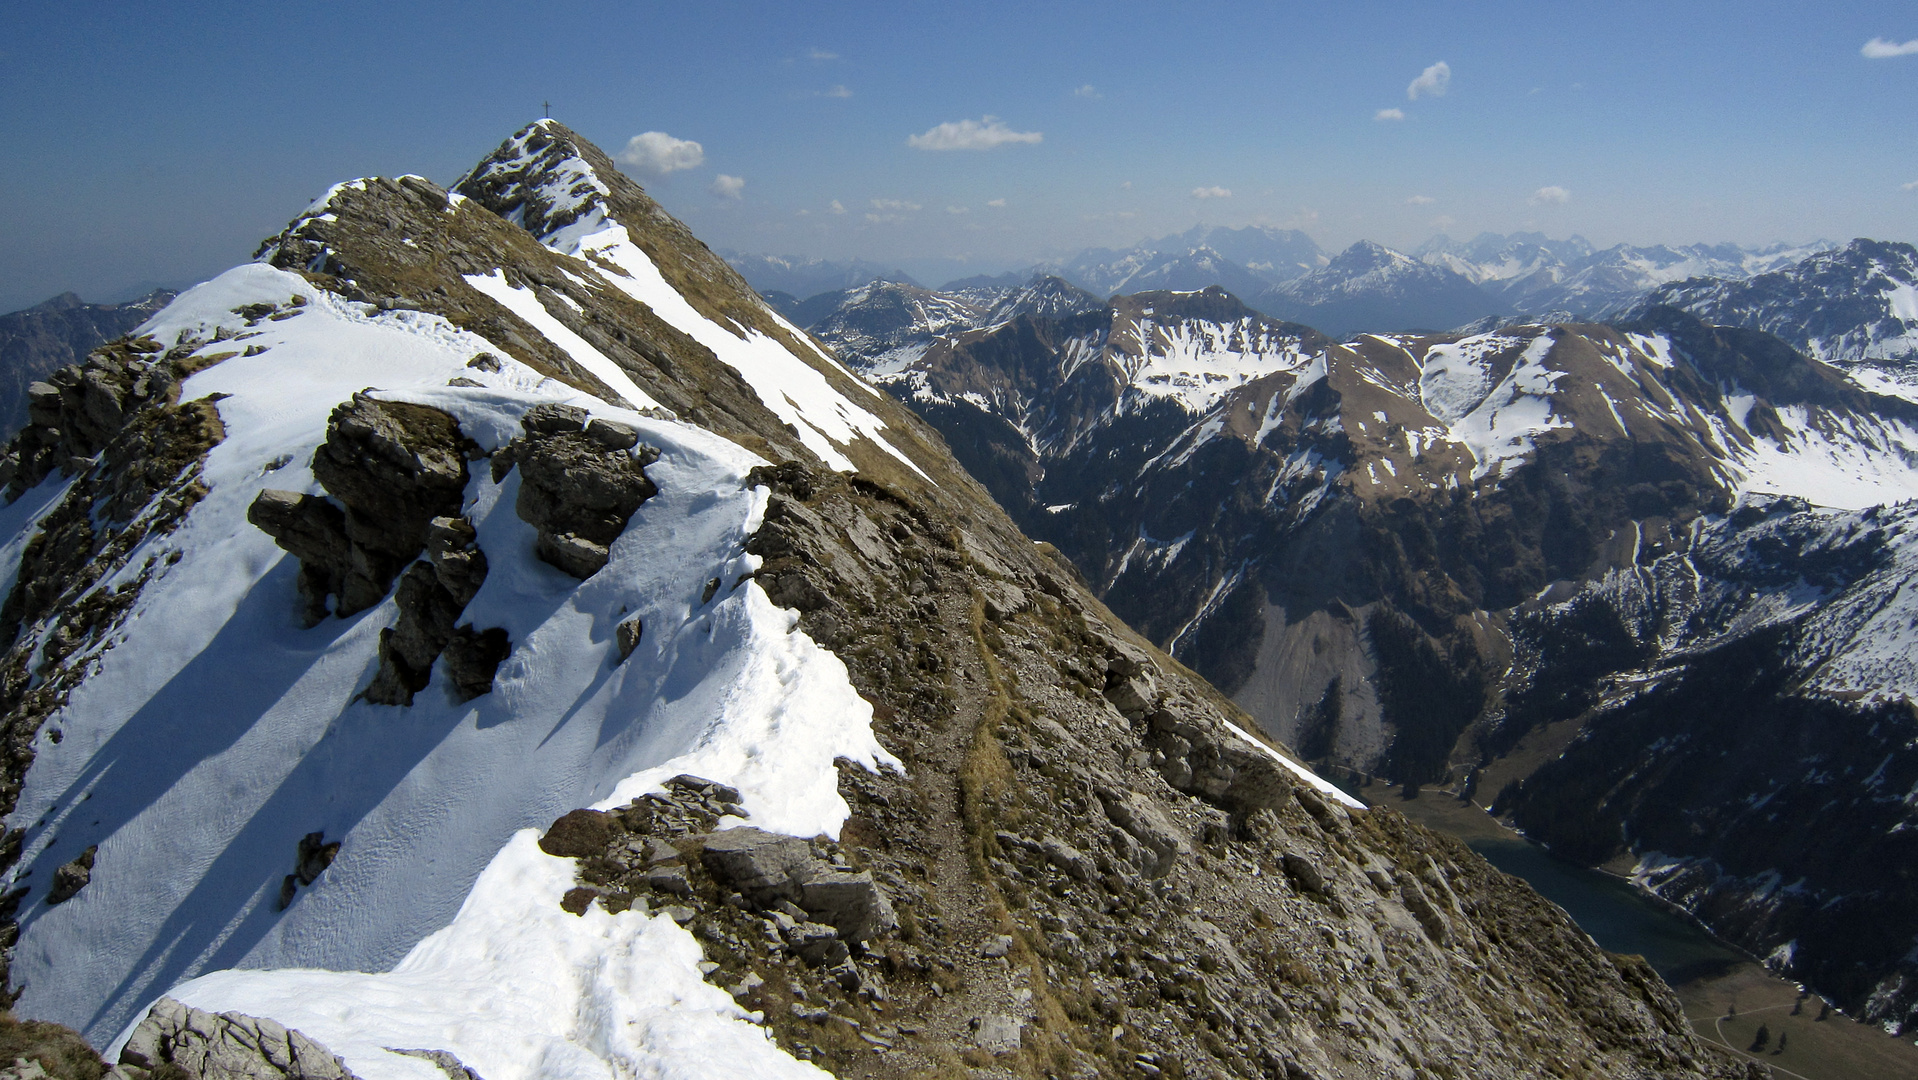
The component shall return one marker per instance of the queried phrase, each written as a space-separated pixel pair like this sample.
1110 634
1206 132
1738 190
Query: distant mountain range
1368 288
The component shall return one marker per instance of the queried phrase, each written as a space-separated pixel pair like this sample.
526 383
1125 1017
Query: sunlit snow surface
218 732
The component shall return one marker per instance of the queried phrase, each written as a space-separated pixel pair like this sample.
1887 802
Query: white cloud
1088 91
1420 200
659 153
1389 114
727 187
958 209
838 207
1913 186
982 134
1551 193
995 202
836 92
1213 192
1432 82
1880 49
1444 221
895 204
821 54
1127 186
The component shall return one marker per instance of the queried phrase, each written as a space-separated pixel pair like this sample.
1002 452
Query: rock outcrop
396 476
176 1040
391 467
580 481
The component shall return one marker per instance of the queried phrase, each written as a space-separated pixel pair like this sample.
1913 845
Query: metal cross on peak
546 110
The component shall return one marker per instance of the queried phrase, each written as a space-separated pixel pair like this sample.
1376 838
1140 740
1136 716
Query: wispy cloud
1880 49
1420 200
996 202
958 209
1551 194
1913 186
895 204
1444 221
1088 91
837 207
838 91
1389 114
821 54
1213 192
727 187
659 153
1432 82
982 134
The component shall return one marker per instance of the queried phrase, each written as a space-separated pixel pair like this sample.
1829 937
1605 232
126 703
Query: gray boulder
578 487
72 876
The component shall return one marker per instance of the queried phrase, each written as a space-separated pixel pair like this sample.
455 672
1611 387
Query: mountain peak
543 179
1367 255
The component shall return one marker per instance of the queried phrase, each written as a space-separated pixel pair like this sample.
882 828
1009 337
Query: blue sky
158 143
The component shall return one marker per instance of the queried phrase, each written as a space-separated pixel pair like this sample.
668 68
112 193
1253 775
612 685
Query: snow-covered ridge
217 732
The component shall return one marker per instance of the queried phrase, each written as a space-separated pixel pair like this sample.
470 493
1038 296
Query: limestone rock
452 1066
223 1046
1159 841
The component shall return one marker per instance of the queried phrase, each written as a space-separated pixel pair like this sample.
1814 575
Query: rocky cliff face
600 655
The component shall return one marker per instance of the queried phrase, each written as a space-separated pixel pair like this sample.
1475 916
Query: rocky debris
580 482
315 855
72 876
392 467
175 1039
453 1067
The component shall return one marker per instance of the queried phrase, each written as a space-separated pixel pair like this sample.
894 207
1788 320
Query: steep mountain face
1369 288
481 638
1344 536
42 339
1856 307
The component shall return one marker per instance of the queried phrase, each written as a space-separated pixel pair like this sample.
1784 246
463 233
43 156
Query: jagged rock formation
1057 850
398 473
40 340
177 1040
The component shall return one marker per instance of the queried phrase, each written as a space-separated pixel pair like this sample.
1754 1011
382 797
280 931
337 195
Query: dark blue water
1620 918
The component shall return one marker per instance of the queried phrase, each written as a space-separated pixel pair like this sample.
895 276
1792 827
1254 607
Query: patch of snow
525 304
